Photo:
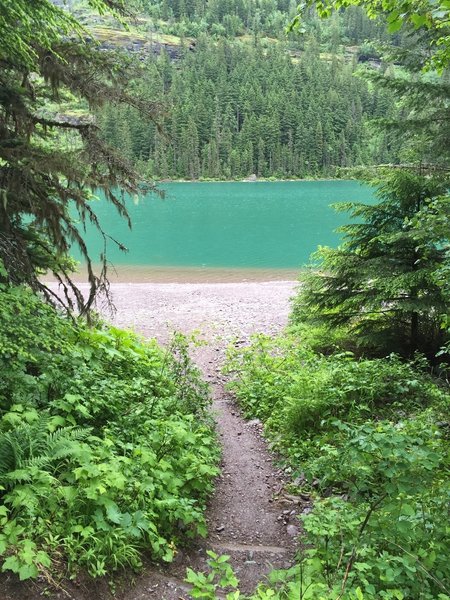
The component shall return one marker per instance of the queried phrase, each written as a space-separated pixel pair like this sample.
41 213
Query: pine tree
190 150
261 165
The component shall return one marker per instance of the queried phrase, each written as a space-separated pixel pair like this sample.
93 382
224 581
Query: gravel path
248 518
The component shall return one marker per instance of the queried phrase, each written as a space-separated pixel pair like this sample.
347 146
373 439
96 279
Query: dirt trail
248 517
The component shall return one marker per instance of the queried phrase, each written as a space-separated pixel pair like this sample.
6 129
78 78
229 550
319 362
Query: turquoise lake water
258 225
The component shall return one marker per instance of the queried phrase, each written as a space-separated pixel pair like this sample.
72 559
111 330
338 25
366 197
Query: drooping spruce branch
51 162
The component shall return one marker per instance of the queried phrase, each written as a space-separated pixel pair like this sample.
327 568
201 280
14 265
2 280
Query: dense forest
235 109
239 102
108 452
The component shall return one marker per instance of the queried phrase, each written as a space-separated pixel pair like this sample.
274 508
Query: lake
242 230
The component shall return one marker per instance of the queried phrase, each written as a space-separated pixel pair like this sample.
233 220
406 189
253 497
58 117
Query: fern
31 447
9 453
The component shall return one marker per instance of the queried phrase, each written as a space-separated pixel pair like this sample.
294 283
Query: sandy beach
222 309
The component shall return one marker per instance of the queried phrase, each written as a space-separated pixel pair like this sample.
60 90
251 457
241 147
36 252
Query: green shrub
296 391
323 339
106 449
370 438
383 531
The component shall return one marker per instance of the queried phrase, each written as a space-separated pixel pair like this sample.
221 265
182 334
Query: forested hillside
236 109
242 97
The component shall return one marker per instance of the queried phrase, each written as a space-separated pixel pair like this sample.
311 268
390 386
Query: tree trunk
414 334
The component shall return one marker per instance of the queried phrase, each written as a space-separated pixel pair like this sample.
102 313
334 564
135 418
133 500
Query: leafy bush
382 526
371 440
296 390
106 449
221 576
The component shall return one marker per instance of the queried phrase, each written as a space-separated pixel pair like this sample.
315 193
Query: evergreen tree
381 281
52 161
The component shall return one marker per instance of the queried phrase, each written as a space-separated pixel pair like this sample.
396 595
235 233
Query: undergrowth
369 437
106 449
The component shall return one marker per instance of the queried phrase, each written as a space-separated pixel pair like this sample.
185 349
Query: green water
267 225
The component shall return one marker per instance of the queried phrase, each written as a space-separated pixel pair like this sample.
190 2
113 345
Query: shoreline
173 275
218 310
224 310
257 180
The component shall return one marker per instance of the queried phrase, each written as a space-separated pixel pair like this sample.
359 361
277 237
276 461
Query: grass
122 37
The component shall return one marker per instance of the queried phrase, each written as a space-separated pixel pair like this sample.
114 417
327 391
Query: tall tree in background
388 279
51 156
